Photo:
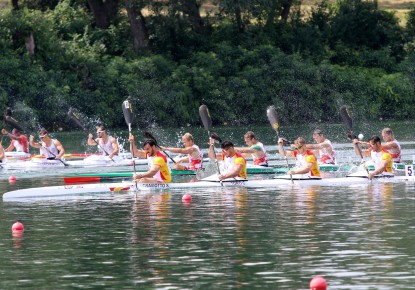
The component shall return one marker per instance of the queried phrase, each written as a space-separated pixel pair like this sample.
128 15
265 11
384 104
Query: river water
356 236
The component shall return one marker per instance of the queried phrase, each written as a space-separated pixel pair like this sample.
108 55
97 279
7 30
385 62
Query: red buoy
17 227
186 198
318 283
12 178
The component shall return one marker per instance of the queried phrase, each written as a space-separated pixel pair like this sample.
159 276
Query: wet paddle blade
346 117
215 137
128 113
210 169
8 112
205 116
344 113
148 135
273 118
13 123
75 120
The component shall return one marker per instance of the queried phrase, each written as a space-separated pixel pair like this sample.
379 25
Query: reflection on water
355 236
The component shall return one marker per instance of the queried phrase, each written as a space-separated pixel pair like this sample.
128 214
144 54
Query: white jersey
195 162
106 148
262 161
19 146
396 157
228 164
51 151
300 160
327 157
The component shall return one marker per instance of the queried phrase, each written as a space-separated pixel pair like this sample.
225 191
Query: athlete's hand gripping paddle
273 120
207 123
344 113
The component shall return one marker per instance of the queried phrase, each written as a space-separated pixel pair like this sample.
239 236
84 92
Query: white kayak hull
92 161
14 155
283 181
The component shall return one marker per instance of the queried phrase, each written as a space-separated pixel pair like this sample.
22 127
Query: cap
318 132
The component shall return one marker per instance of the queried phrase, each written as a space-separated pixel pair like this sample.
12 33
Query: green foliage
350 53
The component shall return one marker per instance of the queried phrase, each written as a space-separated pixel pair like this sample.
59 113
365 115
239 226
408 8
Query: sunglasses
100 132
41 137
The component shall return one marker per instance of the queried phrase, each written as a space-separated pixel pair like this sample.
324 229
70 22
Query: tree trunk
138 27
272 12
15 4
286 7
104 11
238 17
191 8
30 44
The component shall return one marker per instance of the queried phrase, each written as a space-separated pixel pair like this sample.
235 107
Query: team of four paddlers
308 156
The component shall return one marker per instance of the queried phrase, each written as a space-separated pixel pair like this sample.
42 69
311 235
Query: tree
138 26
104 11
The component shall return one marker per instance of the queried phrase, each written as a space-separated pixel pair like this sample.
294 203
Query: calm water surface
357 237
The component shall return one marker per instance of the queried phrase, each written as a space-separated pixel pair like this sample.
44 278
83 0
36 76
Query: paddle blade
273 118
128 112
8 112
205 116
346 117
75 120
13 123
148 135
215 137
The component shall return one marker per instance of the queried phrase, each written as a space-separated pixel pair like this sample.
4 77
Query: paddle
148 135
273 120
349 124
13 123
128 116
207 123
74 118
63 162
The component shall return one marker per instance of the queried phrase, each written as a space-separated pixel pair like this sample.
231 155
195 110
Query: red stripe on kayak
82 179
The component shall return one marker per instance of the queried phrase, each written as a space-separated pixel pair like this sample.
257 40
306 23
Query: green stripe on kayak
265 170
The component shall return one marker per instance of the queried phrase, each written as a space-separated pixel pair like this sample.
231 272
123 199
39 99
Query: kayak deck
108 176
